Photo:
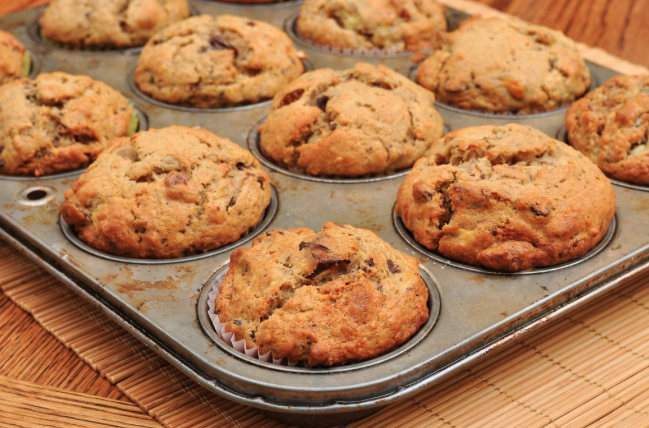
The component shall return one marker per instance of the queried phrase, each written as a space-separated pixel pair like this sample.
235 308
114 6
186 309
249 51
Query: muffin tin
163 304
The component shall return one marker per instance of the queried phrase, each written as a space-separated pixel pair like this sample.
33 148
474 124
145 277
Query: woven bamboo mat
588 369
591 367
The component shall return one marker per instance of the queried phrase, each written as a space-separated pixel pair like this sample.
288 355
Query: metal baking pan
162 304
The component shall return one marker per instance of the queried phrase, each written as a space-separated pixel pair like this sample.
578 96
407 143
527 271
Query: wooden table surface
620 27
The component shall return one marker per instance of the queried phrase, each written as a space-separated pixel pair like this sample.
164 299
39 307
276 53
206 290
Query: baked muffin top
222 61
333 297
12 57
167 193
501 66
610 125
256 1
508 198
58 122
361 25
366 120
109 24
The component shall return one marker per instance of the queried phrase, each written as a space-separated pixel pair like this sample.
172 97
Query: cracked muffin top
109 24
333 297
12 58
507 198
610 125
167 193
499 66
367 120
211 62
58 122
362 25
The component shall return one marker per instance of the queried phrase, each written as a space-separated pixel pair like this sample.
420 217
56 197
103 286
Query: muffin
333 297
14 59
498 66
362 25
610 125
507 198
167 193
211 62
367 120
108 24
58 122
253 1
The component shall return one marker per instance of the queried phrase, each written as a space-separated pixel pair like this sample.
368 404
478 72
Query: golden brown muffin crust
367 120
109 24
167 193
333 297
388 25
57 122
610 125
223 61
12 57
260 2
507 198
493 65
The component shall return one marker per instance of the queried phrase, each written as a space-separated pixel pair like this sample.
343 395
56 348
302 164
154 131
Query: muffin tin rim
434 309
268 216
562 135
409 239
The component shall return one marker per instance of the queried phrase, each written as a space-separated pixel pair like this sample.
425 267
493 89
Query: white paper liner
229 338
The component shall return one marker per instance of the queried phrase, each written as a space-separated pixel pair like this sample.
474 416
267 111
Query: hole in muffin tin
255 147
266 219
262 104
410 240
290 28
36 195
142 125
562 135
505 117
434 306
34 32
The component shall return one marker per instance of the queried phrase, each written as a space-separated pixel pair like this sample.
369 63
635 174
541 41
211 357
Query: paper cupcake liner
27 65
134 121
229 338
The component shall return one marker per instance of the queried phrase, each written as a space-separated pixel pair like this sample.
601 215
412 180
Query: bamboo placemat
589 368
